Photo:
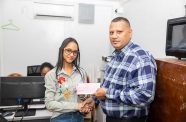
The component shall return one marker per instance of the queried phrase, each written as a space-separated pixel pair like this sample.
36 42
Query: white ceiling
111 0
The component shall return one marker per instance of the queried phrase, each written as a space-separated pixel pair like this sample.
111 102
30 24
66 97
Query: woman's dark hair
76 62
46 64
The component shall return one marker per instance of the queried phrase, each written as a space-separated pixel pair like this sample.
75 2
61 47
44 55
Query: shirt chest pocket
119 79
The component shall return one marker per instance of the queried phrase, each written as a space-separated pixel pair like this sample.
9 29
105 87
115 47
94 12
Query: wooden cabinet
170 100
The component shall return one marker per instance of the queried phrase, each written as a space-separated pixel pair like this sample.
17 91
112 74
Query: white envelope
87 88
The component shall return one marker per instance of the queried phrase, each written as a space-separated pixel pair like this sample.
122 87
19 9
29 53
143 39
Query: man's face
45 70
120 34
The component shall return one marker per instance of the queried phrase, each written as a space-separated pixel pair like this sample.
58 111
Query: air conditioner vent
49 10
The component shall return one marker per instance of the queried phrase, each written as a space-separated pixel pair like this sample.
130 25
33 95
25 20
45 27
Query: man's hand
100 93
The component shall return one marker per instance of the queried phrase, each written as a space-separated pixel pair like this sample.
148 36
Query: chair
33 70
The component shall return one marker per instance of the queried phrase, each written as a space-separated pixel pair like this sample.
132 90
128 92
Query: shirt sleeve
85 76
50 95
141 88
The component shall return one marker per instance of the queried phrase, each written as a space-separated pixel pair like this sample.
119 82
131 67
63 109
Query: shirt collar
123 50
62 71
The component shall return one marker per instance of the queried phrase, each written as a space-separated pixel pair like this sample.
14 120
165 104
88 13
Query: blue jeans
69 117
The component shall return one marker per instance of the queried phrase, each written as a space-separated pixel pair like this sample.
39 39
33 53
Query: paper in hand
87 88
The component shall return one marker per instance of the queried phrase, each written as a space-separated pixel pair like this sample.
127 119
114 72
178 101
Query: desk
41 116
169 104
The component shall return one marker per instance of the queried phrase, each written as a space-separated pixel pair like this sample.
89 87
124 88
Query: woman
60 83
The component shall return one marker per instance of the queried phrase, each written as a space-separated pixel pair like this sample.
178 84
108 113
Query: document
87 88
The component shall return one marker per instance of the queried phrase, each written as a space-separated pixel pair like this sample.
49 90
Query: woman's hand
86 106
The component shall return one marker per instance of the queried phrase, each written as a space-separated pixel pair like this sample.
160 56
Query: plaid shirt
130 82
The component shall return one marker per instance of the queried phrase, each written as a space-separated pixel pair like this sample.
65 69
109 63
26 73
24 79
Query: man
128 87
45 67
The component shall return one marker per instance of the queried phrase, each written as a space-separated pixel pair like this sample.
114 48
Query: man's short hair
117 19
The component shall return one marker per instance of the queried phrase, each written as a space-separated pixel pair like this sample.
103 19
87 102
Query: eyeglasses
69 51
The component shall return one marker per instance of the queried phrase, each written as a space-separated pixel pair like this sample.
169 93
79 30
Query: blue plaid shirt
130 79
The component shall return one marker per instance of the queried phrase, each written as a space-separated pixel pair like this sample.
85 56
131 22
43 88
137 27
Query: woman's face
70 52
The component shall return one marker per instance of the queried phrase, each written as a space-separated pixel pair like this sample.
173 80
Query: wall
149 18
38 40
1 41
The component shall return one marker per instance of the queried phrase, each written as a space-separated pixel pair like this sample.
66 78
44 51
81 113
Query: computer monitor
33 70
0 90
21 90
176 37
